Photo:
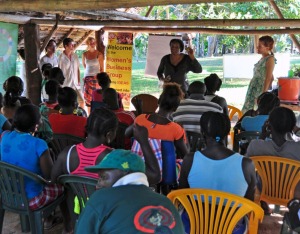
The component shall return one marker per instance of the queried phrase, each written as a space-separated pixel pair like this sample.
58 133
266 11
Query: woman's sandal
55 221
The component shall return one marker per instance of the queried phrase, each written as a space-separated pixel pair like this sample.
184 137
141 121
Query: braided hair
101 121
215 125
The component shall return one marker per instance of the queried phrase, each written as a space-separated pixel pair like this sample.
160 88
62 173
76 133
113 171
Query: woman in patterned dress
263 72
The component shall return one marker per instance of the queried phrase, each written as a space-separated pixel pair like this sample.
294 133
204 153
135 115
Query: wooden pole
176 23
59 5
280 15
204 30
32 54
47 39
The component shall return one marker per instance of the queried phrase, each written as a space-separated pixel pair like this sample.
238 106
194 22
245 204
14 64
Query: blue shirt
24 150
254 123
2 122
224 175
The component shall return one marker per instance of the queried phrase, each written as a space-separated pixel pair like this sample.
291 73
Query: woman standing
175 66
263 72
93 62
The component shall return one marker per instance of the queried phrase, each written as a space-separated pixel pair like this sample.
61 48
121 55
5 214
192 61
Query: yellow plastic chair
218 213
232 111
279 177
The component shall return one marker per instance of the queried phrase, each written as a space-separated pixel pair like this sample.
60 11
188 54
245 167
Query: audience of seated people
217 167
110 98
13 88
253 120
124 203
104 82
68 121
191 109
213 84
19 147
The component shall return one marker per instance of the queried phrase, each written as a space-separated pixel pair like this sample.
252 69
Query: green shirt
129 209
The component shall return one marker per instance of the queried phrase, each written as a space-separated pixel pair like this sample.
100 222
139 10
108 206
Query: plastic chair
196 141
279 177
60 141
145 103
232 111
218 213
246 136
14 199
81 186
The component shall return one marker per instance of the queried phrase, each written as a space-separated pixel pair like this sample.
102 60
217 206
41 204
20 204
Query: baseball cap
124 160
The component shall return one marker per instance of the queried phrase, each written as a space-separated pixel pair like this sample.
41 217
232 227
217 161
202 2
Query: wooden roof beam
176 23
205 30
58 5
51 33
68 34
87 34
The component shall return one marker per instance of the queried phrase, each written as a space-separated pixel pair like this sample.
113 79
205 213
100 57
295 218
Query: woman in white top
93 62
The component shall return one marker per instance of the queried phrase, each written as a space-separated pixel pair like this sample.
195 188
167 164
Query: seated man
124 201
190 110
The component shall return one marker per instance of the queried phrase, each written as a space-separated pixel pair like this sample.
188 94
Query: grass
142 84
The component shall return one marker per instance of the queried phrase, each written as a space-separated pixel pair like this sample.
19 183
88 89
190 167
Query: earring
108 141
60 111
75 111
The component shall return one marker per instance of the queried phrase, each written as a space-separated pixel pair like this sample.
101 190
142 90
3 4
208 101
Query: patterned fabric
156 147
256 84
90 84
49 194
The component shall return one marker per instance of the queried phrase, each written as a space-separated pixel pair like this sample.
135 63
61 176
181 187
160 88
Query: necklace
162 116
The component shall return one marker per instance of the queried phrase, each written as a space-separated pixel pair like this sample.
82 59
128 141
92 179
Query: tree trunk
211 45
32 55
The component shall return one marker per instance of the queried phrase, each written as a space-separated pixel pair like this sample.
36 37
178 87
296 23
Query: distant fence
241 65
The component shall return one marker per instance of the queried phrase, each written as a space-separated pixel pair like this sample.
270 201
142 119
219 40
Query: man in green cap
124 203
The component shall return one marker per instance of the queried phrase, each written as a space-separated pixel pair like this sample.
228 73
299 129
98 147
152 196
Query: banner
8 51
119 63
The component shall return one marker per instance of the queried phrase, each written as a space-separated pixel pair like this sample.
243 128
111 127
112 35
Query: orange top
168 132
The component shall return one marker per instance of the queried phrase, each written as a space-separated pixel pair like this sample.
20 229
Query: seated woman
281 122
19 147
217 167
13 88
104 82
101 129
213 84
160 124
68 121
253 120
51 88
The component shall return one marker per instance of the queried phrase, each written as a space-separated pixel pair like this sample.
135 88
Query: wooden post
99 40
32 54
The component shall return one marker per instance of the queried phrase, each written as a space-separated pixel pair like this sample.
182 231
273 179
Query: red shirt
68 124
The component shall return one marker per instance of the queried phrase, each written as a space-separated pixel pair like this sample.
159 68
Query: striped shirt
189 112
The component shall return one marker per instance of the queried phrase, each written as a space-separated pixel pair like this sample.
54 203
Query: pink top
87 157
